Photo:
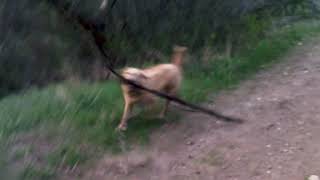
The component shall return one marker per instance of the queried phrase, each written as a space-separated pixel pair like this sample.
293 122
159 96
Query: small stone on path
313 177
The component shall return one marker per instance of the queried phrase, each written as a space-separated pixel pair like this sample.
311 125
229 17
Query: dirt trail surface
280 140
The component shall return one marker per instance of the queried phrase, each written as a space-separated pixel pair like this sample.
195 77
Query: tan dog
163 77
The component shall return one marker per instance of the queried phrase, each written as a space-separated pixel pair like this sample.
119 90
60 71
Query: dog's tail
177 55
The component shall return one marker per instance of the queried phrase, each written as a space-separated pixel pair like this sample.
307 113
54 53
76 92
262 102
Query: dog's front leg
165 109
126 112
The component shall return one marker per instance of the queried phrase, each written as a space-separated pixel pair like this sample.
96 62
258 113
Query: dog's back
163 77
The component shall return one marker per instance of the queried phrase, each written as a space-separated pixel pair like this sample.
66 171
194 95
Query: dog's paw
121 128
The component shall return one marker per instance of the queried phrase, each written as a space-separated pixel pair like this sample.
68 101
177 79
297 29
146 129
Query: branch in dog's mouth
100 39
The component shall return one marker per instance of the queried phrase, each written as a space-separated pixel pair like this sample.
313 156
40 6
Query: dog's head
179 49
178 54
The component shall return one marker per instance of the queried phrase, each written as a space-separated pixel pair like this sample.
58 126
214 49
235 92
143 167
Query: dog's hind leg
166 105
173 92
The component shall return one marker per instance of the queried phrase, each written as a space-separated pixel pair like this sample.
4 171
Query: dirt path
280 140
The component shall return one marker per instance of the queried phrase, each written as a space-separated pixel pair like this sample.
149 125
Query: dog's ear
178 48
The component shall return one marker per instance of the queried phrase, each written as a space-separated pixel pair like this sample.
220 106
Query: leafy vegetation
39 47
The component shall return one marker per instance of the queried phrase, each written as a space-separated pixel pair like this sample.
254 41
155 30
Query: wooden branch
103 5
92 28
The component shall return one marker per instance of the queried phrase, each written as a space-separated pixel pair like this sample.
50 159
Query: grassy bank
77 120
222 73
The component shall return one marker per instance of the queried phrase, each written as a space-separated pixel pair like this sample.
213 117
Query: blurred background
59 106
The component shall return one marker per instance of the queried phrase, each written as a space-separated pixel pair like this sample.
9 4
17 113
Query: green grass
33 173
68 155
85 115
